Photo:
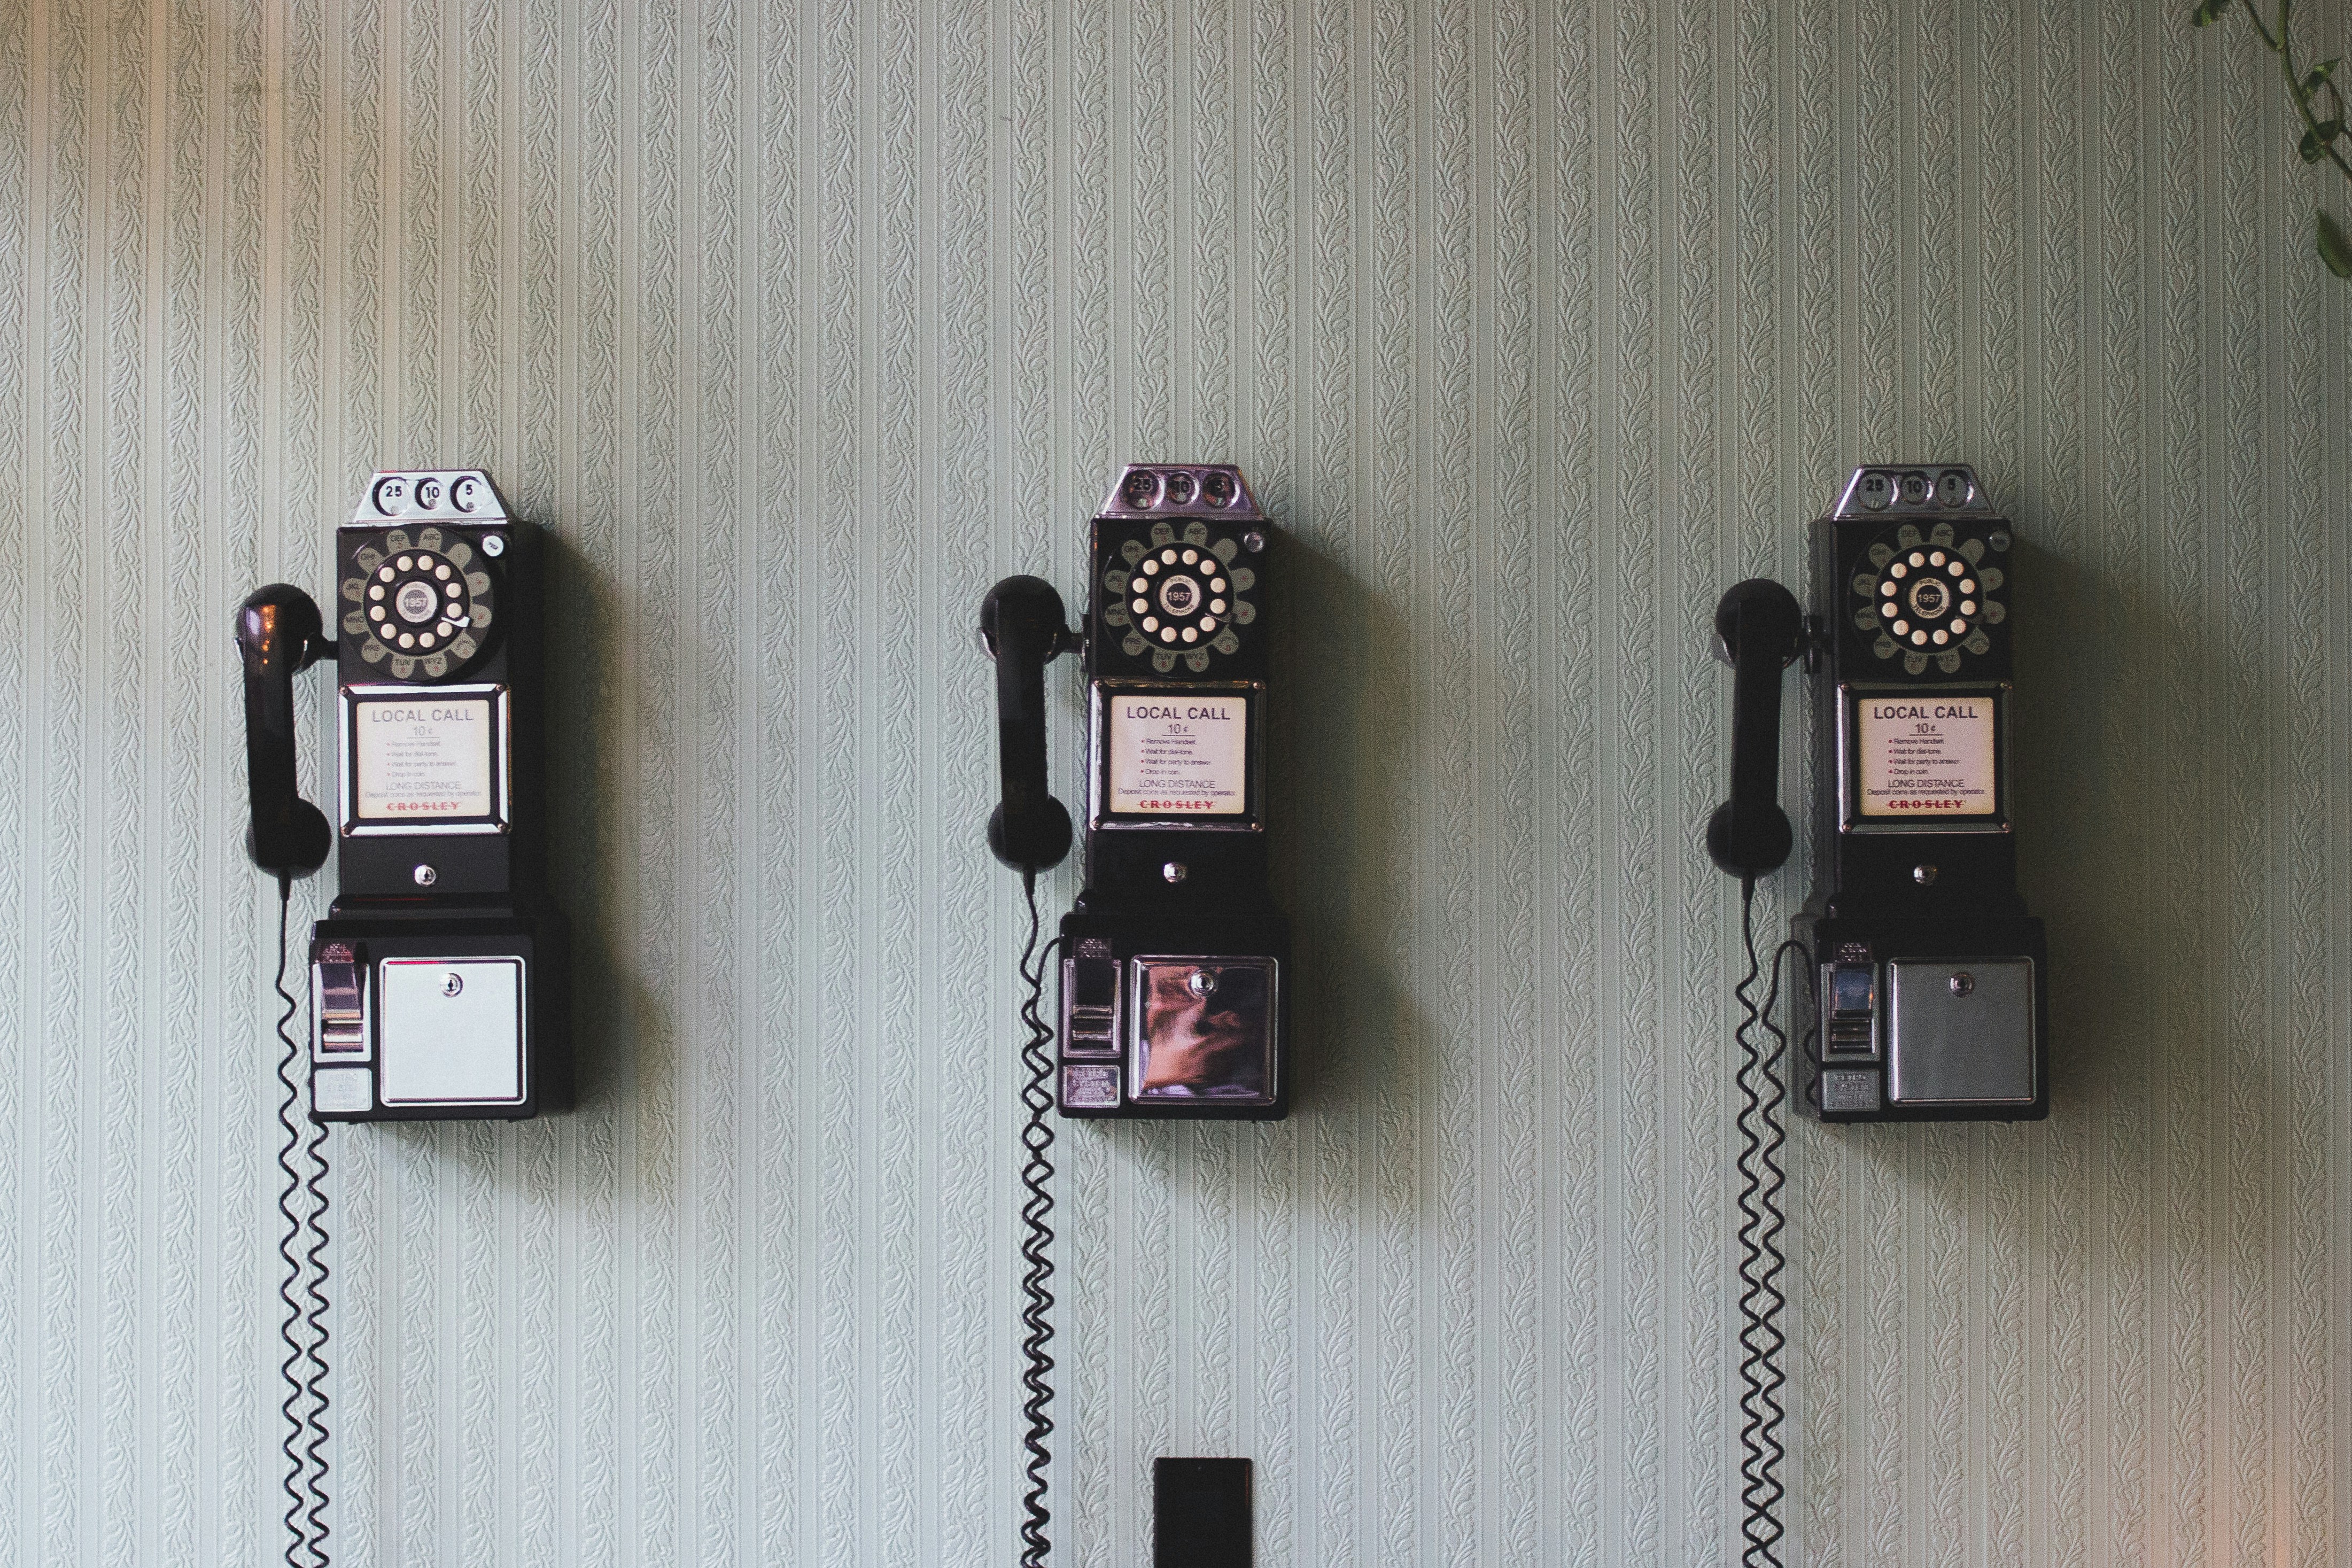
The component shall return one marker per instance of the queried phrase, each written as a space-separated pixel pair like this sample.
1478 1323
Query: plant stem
2282 45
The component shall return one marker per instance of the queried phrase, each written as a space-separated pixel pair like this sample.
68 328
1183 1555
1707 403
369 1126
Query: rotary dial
1931 596
420 603
1180 596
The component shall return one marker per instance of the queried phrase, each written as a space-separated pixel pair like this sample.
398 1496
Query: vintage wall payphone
438 980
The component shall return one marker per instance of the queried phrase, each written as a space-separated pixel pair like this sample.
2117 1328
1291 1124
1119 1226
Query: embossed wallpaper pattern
1537 326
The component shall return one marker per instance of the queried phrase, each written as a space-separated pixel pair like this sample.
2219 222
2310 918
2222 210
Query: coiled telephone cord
1036 1175
303 1203
1762 1090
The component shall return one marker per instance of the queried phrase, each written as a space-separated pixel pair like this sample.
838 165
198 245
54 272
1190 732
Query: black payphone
438 981
1926 1000
1173 960
1923 997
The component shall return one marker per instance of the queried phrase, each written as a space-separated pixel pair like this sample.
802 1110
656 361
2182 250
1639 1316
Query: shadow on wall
2118 799
587 843
1339 784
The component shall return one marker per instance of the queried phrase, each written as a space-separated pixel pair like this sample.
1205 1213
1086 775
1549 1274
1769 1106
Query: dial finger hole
1191 556
384 572
1168 634
1967 585
1958 626
1208 624
406 562
1901 628
1151 623
1151 566
443 629
1919 637
1886 590
1216 584
1917 559
375 590
1138 607
1216 607
408 639
452 589
1967 606
1935 558
1898 570
1168 557
1192 634
1943 637
376 612
442 571
1958 568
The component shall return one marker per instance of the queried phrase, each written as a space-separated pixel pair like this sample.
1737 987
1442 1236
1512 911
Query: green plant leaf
2335 245
2319 75
2209 11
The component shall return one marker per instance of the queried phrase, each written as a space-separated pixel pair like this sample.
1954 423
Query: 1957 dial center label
422 759
1185 754
1926 758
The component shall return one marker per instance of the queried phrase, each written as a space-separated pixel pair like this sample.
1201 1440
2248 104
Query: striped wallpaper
1536 326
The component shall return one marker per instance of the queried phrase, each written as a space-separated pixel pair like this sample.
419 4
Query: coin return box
1960 1032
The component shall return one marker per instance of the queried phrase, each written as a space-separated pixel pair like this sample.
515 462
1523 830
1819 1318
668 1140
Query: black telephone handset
278 635
1174 959
1928 1000
1759 632
438 980
1021 629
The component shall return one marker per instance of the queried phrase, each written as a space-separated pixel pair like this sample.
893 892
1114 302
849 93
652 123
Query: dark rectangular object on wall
1201 1513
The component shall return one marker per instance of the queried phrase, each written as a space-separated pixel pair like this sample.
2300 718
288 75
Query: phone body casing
1928 999
1175 968
439 978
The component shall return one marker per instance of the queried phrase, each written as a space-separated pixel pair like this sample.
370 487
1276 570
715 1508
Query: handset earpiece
1021 627
1760 631
279 634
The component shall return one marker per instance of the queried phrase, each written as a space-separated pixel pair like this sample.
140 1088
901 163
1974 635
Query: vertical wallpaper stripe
798 325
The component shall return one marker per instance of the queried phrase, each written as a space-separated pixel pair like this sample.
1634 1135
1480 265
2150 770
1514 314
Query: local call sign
1180 755
1927 757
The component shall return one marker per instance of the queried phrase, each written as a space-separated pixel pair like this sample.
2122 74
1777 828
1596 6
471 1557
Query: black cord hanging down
1036 1173
1762 1087
303 1203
